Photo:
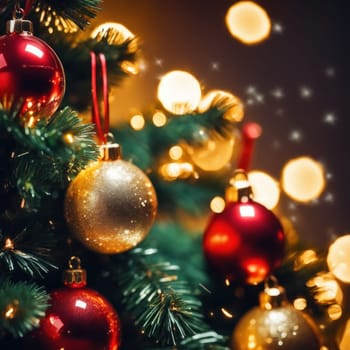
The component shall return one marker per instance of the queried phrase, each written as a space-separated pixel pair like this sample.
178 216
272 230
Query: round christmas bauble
111 205
31 74
275 325
78 318
245 242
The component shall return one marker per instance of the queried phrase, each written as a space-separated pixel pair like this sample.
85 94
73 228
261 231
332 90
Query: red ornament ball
245 242
78 318
30 73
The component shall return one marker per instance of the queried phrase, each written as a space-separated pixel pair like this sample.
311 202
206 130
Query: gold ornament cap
19 26
239 189
74 276
273 295
110 152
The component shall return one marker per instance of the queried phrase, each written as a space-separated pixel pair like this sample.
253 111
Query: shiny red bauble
245 242
78 319
32 79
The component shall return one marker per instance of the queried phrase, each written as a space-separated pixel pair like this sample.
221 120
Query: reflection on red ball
78 319
31 74
245 242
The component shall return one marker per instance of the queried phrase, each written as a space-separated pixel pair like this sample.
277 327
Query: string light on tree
179 92
248 22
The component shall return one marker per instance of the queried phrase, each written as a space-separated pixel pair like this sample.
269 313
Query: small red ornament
245 242
78 318
31 74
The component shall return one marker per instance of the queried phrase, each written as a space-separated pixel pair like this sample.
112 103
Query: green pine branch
22 304
164 307
75 56
18 252
49 155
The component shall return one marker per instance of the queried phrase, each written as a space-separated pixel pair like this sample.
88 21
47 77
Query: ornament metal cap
239 189
19 26
273 295
75 276
110 151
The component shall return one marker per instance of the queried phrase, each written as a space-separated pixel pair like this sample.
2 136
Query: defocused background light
265 188
217 204
248 22
113 31
338 258
214 153
137 122
303 179
179 92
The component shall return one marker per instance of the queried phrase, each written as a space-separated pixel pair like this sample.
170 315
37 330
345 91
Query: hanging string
28 7
250 132
102 133
18 12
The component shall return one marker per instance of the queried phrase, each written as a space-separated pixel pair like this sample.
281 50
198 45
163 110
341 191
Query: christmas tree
153 232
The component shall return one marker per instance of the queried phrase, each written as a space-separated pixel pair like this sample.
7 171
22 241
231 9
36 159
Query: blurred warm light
214 153
176 152
300 304
9 244
223 99
217 204
179 92
265 188
345 341
308 256
226 313
334 311
248 22
338 258
115 33
173 171
159 119
137 122
303 179
326 289
68 138
129 67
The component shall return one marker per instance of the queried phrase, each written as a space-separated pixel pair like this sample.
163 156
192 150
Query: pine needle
22 305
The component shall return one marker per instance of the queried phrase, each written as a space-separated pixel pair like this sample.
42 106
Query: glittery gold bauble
111 205
275 325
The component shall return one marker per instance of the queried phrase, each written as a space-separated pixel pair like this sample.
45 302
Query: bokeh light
159 119
338 258
217 204
303 179
248 22
179 92
137 122
114 32
205 156
265 188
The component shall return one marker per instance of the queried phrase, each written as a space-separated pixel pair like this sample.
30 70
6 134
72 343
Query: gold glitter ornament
111 205
275 325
